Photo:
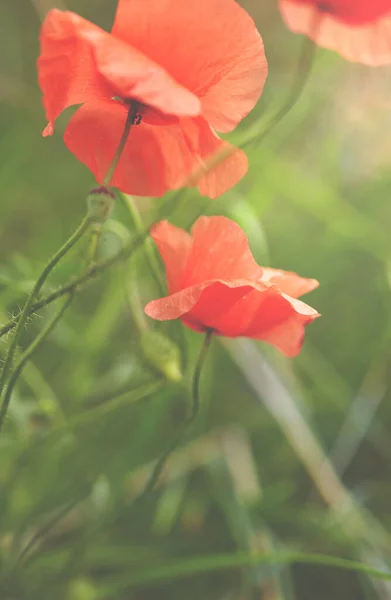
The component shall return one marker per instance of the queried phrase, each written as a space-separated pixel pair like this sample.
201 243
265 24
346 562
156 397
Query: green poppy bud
100 202
162 354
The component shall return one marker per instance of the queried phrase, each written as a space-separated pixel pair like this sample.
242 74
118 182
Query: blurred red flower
215 283
360 30
191 66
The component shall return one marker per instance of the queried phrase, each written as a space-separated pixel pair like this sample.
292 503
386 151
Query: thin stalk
131 207
96 402
304 68
75 237
96 232
132 112
29 307
193 415
99 267
91 415
133 299
26 554
26 356
49 526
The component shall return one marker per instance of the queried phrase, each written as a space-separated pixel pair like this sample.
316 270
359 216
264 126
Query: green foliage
289 462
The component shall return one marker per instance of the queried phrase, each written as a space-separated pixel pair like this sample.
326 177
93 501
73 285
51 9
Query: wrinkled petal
80 62
67 71
155 158
288 282
211 47
367 42
174 246
239 309
202 143
288 334
220 250
262 314
218 286
175 305
184 301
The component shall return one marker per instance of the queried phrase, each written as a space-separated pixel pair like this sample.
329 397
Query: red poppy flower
360 30
191 67
215 283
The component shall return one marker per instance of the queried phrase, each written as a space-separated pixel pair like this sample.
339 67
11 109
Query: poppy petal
226 307
202 143
155 158
80 62
175 305
183 302
93 135
216 37
288 282
239 309
218 286
220 250
174 246
288 334
251 310
66 68
368 43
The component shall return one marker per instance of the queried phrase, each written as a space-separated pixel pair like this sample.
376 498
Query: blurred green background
286 455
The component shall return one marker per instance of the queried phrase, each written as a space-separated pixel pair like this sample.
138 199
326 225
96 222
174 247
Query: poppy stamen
137 119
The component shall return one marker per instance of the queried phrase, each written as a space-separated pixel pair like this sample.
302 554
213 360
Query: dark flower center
137 117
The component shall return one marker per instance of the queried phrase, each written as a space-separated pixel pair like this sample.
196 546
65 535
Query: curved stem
26 356
97 229
47 527
193 415
25 554
75 237
197 373
97 268
305 64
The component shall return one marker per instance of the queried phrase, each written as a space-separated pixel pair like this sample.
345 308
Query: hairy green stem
6 396
75 237
96 269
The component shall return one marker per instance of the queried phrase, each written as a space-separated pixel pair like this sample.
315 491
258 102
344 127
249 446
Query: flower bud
162 354
82 589
100 202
